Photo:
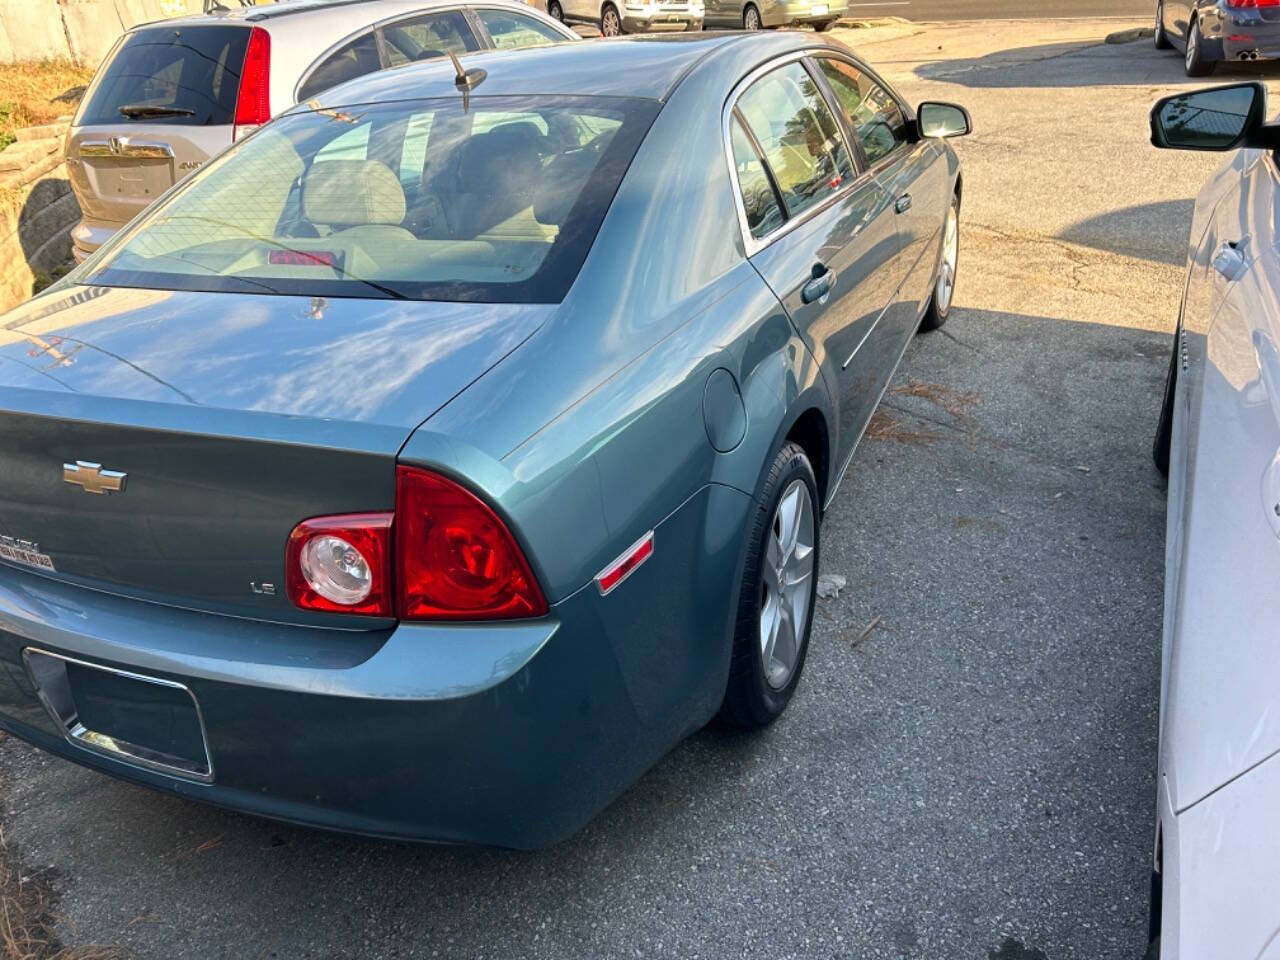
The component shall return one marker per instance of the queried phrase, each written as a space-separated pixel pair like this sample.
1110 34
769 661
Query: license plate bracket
145 721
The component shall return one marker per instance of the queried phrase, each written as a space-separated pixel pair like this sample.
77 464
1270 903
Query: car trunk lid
163 445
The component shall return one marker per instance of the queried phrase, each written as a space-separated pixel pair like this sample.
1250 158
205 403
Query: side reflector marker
625 565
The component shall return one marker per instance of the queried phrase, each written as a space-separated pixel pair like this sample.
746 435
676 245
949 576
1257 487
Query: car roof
646 67
309 11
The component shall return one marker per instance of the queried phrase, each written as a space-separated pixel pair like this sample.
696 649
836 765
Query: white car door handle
1229 260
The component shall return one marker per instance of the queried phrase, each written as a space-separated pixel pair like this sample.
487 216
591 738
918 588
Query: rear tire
935 315
1162 38
1197 65
1163 444
777 594
751 18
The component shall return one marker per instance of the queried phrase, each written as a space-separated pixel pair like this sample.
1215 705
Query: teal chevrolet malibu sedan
431 462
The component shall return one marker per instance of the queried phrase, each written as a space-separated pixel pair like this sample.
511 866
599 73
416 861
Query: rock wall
81 30
37 212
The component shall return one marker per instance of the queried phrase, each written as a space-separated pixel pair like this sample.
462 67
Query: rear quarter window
188 76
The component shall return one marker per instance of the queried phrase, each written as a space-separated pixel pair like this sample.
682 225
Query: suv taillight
253 103
443 555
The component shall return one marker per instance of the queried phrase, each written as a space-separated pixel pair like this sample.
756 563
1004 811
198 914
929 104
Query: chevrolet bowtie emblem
92 477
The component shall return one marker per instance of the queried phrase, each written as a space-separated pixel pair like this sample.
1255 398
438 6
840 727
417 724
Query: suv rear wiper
138 111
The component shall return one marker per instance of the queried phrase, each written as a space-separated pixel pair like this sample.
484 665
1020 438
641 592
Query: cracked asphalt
967 770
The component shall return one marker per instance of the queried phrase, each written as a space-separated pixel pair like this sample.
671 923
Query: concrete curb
864 24
1130 36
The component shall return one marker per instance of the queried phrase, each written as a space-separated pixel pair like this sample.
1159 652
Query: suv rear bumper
87 238
637 18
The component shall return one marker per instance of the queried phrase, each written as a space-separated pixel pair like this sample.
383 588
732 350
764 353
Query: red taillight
455 558
443 555
253 104
1252 4
341 564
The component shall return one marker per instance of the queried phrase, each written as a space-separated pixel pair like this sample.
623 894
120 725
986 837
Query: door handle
1229 260
903 203
819 285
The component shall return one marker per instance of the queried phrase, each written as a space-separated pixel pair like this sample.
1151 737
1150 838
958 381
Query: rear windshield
495 199
186 76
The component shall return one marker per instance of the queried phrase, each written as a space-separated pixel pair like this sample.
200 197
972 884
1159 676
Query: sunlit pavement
972 776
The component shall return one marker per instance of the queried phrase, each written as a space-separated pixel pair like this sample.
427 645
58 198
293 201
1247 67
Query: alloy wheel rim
1159 16
611 25
1193 43
950 257
556 12
786 583
753 19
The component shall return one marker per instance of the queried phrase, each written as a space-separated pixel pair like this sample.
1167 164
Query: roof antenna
466 80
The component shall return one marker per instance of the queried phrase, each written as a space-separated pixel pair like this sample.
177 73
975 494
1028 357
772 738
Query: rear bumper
1240 35
785 14
509 735
86 238
640 19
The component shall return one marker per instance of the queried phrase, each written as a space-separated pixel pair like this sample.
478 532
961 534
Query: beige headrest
349 193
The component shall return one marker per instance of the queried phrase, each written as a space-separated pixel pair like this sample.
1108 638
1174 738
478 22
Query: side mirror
940 120
1219 118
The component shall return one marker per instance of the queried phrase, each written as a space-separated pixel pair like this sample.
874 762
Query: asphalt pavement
967 769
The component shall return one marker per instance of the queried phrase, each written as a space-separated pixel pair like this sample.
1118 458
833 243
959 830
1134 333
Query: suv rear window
495 199
187 76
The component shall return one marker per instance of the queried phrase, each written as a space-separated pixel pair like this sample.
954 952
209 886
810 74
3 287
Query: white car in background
173 93
1216 889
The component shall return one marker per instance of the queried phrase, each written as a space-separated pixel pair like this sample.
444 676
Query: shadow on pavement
1059 65
1150 231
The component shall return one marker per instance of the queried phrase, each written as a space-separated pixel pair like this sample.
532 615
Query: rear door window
798 134
764 213
188 77
510 30
349 61
429 37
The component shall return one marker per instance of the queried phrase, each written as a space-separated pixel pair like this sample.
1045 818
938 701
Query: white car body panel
1222 873
1219 770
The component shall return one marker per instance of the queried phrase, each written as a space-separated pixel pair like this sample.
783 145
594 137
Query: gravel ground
972 777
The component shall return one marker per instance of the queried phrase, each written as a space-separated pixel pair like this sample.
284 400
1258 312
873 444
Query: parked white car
1216 889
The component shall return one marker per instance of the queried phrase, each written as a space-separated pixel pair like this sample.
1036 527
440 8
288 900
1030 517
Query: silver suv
172 94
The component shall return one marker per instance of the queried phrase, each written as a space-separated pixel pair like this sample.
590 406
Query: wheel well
810 432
